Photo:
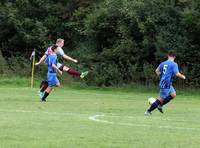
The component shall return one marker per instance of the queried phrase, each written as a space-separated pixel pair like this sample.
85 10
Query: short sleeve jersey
50 60
59 52
168 70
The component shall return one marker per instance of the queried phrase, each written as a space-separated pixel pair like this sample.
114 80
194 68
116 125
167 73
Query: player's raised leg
73 72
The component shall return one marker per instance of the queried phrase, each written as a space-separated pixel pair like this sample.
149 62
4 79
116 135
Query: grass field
85 118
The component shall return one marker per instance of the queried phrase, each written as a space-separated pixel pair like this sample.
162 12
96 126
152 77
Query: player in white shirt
61 66
60 53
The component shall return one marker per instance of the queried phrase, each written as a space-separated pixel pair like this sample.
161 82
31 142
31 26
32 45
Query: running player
52 79
166 71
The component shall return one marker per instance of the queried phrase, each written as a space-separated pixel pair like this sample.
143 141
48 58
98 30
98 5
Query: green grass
65 120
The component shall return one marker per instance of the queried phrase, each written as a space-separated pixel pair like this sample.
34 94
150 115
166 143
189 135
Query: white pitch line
163 119
95 118
43 112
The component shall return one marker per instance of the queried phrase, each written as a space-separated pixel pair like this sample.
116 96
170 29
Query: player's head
171 55
60 42
54 48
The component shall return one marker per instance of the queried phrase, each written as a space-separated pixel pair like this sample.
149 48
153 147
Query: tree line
118 41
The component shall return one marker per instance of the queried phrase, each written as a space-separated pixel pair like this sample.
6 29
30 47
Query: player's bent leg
46 93
74 72
163 94
161 100
52 81
171 96
160 109
43 86
167 100
153 106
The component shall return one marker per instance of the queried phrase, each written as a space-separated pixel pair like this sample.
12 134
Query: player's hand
75 61
184 77
36 64
60 72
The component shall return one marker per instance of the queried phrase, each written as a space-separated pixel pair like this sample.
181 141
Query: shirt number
165 69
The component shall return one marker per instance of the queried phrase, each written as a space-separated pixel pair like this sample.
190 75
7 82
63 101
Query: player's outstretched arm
41 60
157 71
180 75
69 58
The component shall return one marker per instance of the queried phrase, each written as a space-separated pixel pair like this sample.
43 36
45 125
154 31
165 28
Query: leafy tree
120 41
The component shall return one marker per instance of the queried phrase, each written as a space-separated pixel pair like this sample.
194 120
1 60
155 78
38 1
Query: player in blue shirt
60 53
166 71
52 79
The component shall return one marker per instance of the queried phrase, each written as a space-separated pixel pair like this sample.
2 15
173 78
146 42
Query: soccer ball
151 100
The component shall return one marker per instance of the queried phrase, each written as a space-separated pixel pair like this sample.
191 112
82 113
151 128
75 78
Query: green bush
4 68
119 42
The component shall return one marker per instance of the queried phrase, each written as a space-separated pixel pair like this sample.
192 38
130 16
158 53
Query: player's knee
161 100
173 95
44 84
49 89
65 68
58 85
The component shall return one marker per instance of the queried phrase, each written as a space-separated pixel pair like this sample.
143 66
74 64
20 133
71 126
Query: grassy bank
80 85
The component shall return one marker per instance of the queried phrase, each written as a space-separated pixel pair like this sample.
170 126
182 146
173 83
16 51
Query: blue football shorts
166 92
52 80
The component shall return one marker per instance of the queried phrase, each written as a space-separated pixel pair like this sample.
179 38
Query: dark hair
53 47
171 53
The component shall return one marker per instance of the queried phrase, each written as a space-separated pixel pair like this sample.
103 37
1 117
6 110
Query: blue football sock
167 100
45 96
154 105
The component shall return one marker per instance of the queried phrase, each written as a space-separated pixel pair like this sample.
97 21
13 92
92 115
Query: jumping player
62 67
166 71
